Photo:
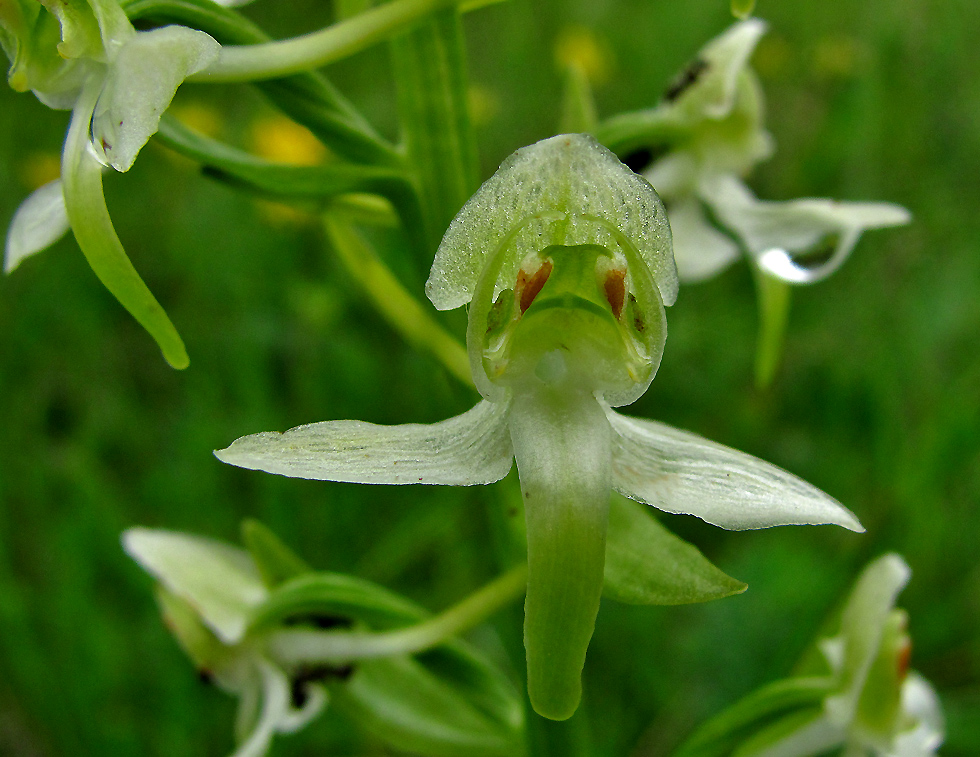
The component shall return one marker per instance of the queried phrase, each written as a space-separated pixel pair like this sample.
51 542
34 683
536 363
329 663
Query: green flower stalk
287 641
564 257
85 55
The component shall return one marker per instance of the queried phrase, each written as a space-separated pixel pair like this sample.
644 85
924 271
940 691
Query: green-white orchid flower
85 55
852 694
286 640
564 258
208 594
876 707
710 132
712 123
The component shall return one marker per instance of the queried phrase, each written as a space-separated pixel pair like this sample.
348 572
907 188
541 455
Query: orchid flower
284 639
877 707
564 258
712 120
117 82
853 693
208 593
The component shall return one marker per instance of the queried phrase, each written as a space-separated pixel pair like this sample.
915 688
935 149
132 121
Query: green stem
578 111
430 72
273 60
626 132
340 646
773 298
402 311
308 98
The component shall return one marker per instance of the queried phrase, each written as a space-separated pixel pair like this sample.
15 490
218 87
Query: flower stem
273 60
398 307
773 296
430 74
340 646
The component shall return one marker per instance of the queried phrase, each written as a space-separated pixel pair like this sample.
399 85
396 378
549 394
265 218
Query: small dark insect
638 323
686 78
205 676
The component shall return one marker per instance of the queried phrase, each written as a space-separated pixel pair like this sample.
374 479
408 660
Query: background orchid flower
118 82
876 707
853 692
208 592
712 121
710 133
254 623
564 257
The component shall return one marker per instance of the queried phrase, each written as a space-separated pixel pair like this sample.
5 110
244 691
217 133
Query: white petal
472 448
140 84
777 232
674 175
700 250
920 701
275 706
40 221
862 623
221 582
713 93
680 472
540 196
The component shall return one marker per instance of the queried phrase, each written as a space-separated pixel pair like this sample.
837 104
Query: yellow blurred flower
278 139
579 46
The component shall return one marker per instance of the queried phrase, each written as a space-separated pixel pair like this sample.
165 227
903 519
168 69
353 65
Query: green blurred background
877 400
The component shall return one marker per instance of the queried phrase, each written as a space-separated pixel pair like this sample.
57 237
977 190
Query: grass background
877 400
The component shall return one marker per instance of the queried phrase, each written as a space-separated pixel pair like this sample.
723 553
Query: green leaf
722 733
406 704
303 183
276 562
648 565
430 72
246 171
332 596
